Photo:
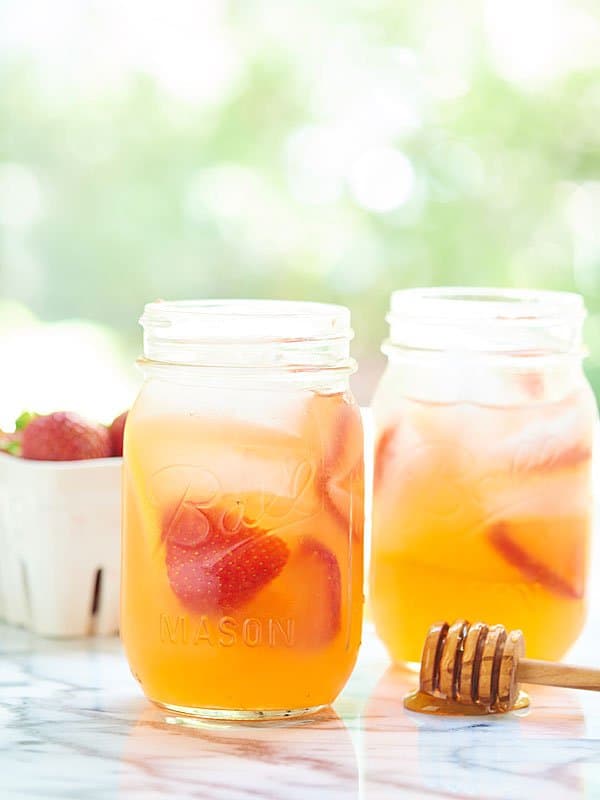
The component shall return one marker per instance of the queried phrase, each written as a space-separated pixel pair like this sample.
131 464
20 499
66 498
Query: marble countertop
73 724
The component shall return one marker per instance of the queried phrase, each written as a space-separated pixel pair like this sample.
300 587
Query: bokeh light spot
382 180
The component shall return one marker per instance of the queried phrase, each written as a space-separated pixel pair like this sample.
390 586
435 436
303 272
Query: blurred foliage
332 150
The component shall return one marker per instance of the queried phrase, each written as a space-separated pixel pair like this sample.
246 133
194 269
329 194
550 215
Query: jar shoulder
255 415
452 382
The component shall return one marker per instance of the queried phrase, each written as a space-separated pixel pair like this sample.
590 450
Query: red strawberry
215 562
64 436
344 467
314 573
116 430
334 427
532 383
551 455
383 453
552 555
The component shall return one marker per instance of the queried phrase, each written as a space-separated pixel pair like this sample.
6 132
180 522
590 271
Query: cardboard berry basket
60 545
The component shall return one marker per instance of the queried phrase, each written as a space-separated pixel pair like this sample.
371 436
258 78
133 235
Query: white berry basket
60 545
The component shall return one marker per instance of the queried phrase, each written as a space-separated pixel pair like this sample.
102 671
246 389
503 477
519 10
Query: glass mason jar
243 509
482 486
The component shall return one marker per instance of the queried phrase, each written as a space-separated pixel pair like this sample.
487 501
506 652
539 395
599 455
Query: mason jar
482 500
243 509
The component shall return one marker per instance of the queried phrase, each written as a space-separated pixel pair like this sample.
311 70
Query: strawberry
551 455
552 555
314 573
334 428
383 453
532 383
215 562
63 436
343 468
116 430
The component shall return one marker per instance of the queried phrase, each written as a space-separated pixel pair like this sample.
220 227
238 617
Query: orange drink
243 506
482 487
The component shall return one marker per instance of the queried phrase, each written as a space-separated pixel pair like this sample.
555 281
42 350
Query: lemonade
495 528
482 495
242 553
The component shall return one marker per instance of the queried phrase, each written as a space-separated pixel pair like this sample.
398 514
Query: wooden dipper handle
482 665
550 673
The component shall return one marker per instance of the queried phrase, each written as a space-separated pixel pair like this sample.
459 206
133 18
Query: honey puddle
427 704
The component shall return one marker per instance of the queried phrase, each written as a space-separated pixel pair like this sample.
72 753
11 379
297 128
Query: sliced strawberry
551 553
335 430
532 383
558 437
313 574
383 453
553 456
188 526
215 562
343 468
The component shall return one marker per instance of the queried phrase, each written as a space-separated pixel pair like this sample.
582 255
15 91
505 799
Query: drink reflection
518 755
307 758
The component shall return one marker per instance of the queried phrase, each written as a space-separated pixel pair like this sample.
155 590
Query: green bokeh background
313 150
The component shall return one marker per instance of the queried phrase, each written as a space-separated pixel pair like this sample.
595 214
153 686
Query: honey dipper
481 665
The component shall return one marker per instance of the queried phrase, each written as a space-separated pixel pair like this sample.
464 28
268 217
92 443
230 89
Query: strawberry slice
532 383
343 468
383 453
215 562
335 430
314 574
551 553
552 456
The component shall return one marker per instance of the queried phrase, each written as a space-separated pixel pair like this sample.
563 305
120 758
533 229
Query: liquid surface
427 704
242 554
482 512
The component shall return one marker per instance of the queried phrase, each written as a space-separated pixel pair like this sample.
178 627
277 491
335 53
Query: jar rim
248 333
474 302
310 319
486 321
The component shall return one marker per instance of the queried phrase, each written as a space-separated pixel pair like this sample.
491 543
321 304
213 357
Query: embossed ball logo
283 496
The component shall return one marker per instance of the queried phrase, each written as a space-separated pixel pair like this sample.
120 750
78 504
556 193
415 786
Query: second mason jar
482 486
243 509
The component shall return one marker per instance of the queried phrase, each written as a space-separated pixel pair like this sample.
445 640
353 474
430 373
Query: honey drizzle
428 704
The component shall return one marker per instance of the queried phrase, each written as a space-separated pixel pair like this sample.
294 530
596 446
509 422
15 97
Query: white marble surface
73 724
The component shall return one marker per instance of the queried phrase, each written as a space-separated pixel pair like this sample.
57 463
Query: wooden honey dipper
483 665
